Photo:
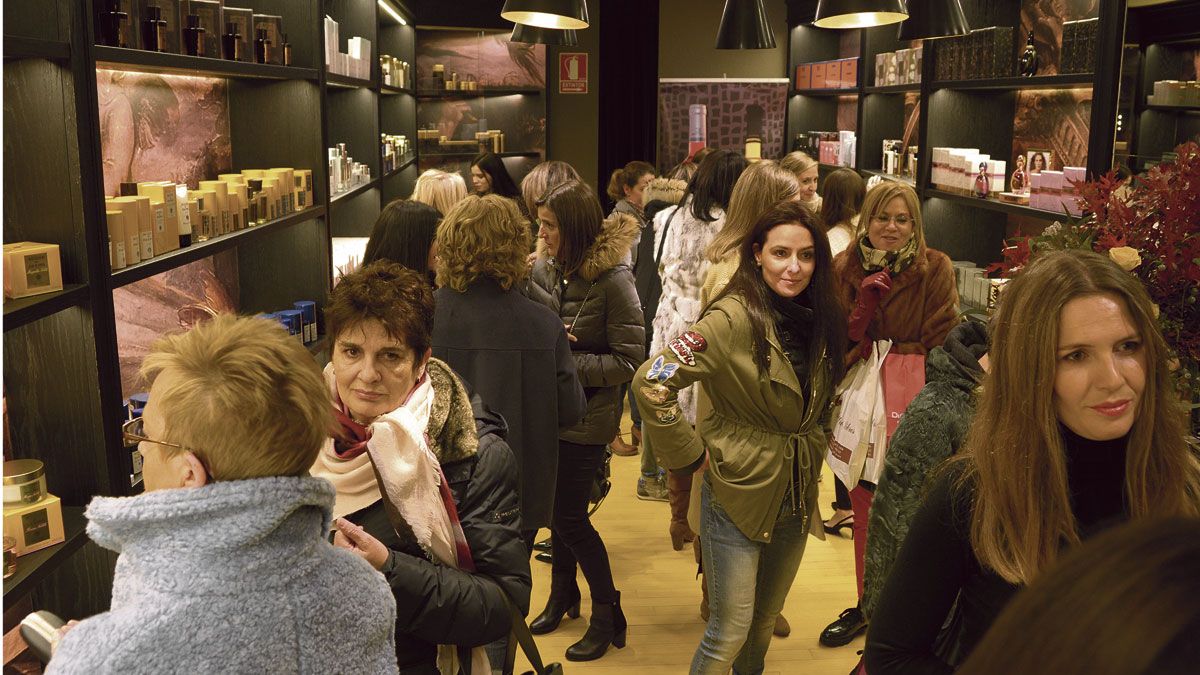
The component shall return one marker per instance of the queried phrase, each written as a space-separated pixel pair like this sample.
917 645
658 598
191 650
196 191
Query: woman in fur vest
893 287
583 274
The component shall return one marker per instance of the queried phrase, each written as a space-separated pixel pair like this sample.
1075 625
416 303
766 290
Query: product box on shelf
891 69
833 74
130 217
116 238
116 23
34 526
1079 46
273 24
242 20
209 12
850 73
804 76
31 268
163 34
818 75
331 42
166 229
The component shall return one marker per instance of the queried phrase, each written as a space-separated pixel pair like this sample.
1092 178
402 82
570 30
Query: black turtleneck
793 327
936 572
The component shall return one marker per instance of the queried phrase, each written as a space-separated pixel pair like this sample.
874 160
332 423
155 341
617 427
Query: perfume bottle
1029 58
231 43
154 29
287 51
112 24
193 36
262 46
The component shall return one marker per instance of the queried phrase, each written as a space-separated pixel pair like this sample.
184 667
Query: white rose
1126 257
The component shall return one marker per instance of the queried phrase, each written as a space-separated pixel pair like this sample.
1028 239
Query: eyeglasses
898 220
133 432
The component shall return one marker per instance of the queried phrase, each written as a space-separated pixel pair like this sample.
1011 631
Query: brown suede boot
622 449
679 490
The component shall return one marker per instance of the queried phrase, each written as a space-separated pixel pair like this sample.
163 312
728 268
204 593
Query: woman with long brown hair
1077 428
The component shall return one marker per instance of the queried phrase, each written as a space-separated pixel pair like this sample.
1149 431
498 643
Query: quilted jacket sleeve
625 331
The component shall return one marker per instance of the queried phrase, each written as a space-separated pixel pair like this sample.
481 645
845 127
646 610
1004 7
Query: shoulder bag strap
663 242
520 631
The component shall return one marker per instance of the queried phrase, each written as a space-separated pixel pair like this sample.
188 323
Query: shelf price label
572 73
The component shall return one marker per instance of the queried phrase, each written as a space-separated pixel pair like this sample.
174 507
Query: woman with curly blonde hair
512 350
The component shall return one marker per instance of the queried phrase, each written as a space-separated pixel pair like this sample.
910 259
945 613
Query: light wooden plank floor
661 597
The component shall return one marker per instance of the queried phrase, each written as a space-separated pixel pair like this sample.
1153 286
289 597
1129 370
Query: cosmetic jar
24 481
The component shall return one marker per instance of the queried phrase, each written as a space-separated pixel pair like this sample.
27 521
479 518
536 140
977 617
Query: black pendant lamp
544 36
558 14
934 19
744 25
858 13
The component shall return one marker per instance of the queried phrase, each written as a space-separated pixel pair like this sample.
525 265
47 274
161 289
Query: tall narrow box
818 75
804 76
273 24
166 231
171 15
243 22
209 12
850 73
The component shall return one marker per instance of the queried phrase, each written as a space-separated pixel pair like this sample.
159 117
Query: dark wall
628 85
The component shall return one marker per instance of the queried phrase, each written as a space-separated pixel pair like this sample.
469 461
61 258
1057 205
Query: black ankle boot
607 627
564 599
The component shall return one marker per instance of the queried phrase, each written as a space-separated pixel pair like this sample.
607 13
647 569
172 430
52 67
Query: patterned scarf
874 260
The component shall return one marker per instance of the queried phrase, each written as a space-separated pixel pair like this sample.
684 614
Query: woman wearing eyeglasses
893 287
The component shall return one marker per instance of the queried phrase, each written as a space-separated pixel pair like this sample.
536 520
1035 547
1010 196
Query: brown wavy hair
627 177
761 186
543 177
482 237
579 221
1014 456
390 293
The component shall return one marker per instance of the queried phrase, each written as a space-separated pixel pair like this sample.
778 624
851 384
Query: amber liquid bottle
154 29
262 46
193 36
231 43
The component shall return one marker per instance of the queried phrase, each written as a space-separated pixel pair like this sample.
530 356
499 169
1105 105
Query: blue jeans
748 582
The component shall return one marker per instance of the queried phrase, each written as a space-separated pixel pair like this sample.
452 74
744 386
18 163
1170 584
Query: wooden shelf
867 173
994 205
16 47
345 82
118 58
1071 81
20 311
374 182
848 91
204 249
389 89
489 91
453 155
1173 108
403 165
319 345
893 88
32 568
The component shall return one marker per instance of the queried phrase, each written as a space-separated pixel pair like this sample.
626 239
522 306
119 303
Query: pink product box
1049 190
996 170
1073 174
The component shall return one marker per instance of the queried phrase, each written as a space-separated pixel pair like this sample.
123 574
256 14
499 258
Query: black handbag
520 634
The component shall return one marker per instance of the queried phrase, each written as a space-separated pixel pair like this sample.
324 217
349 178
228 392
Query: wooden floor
661 597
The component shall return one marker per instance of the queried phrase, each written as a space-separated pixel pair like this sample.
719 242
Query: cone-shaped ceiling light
558 14
858 13
544 36
933 19
744 25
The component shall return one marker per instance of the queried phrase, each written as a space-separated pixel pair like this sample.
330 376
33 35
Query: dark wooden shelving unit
992 204
893 89
1070 81
473 153
181 64
1174 108
32 568
19 47
389 89
400 169
845 91
346 82
343 196
481 93
21 311
203 249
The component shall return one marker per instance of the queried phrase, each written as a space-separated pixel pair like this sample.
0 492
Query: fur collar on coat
611 248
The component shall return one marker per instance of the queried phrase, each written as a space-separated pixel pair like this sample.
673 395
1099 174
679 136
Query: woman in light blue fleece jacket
224 562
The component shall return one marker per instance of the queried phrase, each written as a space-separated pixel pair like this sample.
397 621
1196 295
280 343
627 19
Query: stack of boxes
354 62
838 74
1175 92
828 147
1079 46
1057 190
975 288
956 170
395 73
983 54
902 66
299 320
151 218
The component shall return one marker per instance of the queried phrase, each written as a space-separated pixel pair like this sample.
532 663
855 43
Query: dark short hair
395 296
712 186
403 233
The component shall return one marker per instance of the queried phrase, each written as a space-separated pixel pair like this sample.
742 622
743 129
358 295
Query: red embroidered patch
682 351
694 340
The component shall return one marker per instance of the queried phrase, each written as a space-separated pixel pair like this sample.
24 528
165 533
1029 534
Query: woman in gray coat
582 273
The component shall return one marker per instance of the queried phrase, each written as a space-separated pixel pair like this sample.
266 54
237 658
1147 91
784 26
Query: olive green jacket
760 428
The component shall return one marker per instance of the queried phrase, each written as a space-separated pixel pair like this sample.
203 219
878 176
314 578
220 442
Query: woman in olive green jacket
763 350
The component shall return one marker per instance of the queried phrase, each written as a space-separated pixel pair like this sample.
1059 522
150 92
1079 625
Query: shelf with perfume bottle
204 249
33 567
846 91
389 89
870 173
893 88
18 47
1071 81
479 93
356 190
347 82
20 311
474 153
1174 108
993 204
412 159
120 58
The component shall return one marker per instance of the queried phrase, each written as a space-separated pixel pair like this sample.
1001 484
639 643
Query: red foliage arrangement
1149 225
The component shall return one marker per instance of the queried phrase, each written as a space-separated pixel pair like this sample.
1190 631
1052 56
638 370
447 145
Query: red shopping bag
903 377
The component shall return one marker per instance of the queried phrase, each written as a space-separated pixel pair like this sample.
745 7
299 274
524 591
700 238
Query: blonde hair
543 177
875 201
797 162
482 237
761 186
249 400
1014 454
440 190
